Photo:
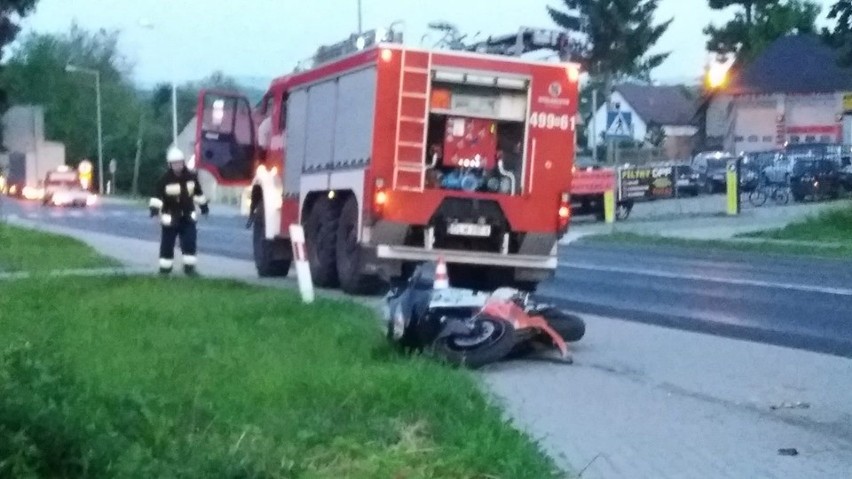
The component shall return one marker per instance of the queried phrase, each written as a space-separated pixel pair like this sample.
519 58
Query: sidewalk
651 402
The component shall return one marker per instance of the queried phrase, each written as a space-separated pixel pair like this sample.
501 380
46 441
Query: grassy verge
23 249
833 226
827 234
764 247
148 377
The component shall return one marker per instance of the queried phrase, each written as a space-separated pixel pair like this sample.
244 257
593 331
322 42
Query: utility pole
138 159
97 74
100 134
174 114
594 125
359 17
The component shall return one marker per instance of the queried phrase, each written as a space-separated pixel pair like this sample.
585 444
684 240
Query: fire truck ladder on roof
415 86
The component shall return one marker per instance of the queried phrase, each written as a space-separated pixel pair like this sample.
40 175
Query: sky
261 39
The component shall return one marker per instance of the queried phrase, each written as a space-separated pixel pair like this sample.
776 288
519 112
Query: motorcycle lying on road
473 328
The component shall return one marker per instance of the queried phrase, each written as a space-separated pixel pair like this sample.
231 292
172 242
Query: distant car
711 168
846 169
815 179
70 195
781 171
686 180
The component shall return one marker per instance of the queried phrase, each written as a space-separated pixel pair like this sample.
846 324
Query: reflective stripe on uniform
200 200
166 220
166 263
173 189
155 203
190 260
193 216
190 187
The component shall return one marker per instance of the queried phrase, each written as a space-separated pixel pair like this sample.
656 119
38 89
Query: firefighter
177 193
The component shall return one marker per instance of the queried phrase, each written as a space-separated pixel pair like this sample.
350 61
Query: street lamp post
72 69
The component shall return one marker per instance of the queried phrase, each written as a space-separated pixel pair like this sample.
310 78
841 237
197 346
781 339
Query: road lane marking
712 279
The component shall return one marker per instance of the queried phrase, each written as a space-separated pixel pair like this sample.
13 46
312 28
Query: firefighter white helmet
174 154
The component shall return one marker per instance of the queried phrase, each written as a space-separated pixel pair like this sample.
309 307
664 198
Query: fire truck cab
390 156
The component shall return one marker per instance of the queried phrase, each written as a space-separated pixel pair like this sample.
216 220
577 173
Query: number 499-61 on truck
390 156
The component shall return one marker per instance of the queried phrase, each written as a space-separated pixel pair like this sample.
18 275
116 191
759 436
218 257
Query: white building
671 108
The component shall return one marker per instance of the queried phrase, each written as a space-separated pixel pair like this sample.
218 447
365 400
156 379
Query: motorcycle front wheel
490 340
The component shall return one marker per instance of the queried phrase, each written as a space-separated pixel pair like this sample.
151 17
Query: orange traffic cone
442 279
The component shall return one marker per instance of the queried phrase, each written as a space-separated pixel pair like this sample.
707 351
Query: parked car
711 168
782 171
686 181
846 169
815 178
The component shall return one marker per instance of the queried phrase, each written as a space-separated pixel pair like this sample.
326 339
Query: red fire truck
390 156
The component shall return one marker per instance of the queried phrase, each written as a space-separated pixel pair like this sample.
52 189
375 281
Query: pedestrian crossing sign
619 124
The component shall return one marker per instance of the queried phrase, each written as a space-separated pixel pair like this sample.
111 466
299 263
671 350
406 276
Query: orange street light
717 75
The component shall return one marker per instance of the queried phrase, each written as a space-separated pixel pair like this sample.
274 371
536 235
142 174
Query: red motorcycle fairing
509 311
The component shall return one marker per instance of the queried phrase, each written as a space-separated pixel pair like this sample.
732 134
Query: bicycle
778 193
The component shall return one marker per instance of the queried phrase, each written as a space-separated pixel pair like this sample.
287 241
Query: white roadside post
303 270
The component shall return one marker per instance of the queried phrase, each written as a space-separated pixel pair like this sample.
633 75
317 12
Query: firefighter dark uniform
177 193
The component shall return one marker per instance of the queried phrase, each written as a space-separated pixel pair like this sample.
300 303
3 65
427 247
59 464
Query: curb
12 275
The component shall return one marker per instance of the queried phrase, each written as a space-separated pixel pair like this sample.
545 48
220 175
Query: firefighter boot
166 266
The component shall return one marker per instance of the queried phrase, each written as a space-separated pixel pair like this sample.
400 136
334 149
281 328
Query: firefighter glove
205 210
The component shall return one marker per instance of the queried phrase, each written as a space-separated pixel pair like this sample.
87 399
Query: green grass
762 247
828 234
23 249
829 226
150 377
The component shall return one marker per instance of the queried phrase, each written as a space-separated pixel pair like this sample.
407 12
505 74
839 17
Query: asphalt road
795 302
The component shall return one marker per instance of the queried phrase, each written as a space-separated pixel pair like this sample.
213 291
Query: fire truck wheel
263 252
350 254
321 242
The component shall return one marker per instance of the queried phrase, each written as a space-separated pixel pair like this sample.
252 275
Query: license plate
469 229
457 298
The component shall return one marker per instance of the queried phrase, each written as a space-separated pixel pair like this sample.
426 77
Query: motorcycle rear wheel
572 328
491 341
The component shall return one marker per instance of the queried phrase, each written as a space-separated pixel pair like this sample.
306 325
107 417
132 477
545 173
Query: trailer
27 170
390 156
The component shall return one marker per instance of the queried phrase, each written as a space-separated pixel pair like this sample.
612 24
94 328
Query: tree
757 24
36 74
11 11
656 135
841 36
620 33
618 37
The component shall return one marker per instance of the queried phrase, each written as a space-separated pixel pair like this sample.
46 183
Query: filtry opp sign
303 269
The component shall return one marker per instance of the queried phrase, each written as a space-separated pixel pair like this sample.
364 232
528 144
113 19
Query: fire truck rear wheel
350 254
263 252
321 241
